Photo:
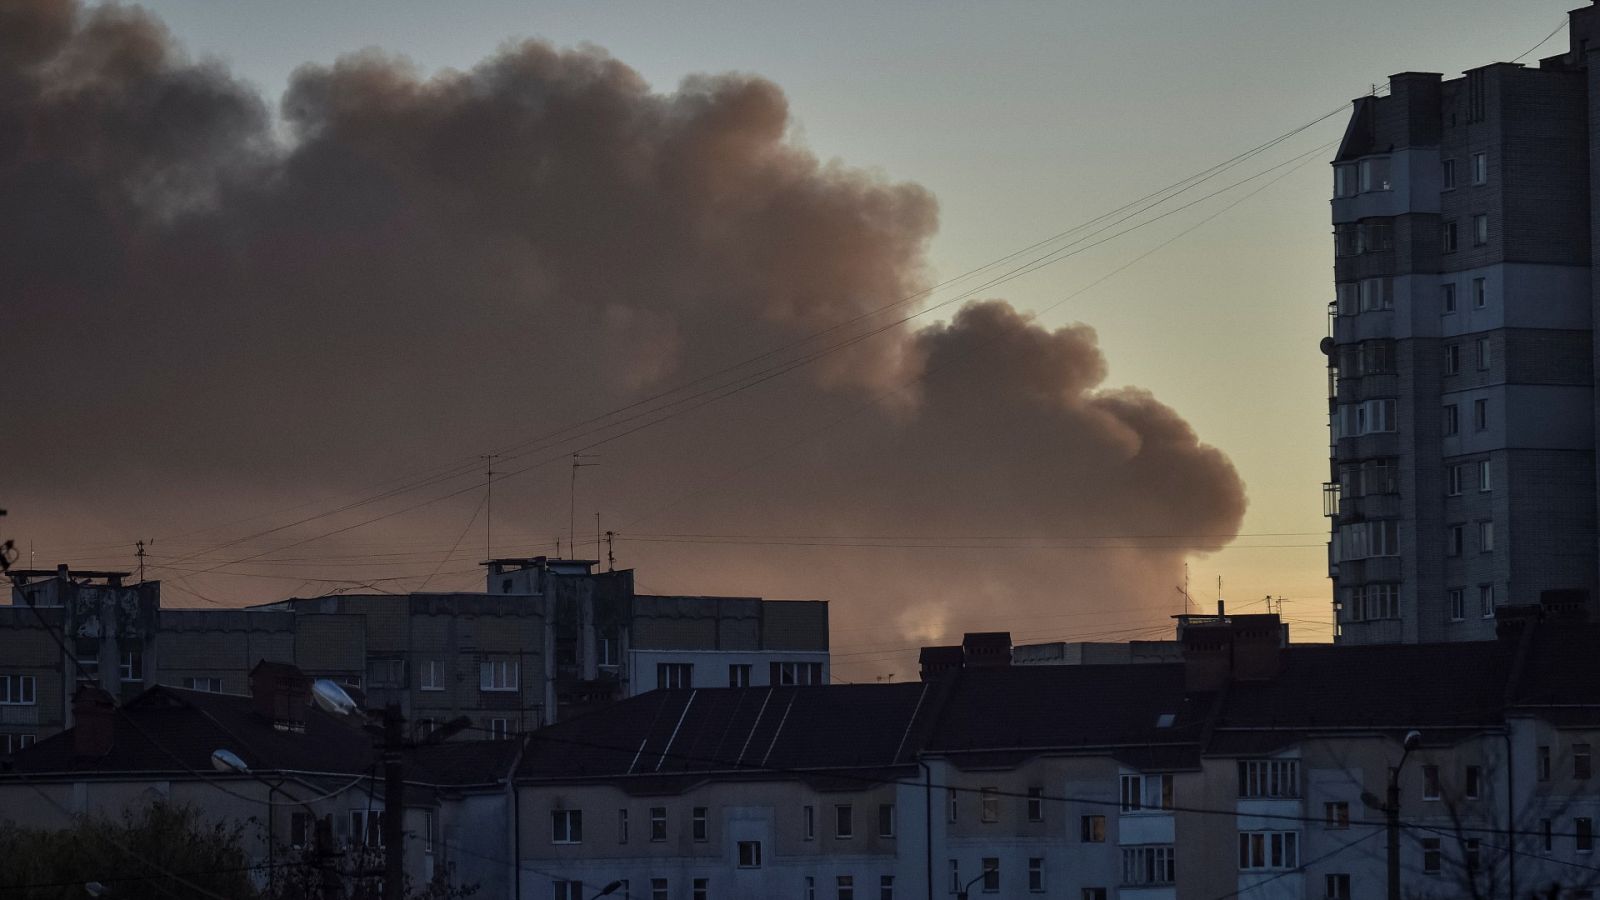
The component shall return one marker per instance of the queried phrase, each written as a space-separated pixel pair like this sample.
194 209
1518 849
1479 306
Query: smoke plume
214 310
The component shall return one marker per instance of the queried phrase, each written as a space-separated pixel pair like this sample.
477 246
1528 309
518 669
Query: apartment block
548 638
1461 347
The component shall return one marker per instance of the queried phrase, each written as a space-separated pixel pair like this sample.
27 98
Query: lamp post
608 890
321 831
1391 813
962 894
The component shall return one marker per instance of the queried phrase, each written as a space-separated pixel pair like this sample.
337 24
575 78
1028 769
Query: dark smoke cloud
206 315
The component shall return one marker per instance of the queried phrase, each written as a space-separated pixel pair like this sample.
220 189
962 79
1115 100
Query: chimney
1257 647
93 713
986 650
1207 655
280 693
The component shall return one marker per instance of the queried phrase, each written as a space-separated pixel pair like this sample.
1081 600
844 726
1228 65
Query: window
1337 814
1146 792
209 685
605 652
1486 601
353 680
1454 538
1480 293
1269 778
1580 761
1485 537
1154 864
697 823
499 729
1480 414
749 854
950 812
1447 174
1458 604
1484 476
1036 874
658 823
1336 887
1447 237
18 690
956 884
1473 782
1375 236
1451 420
425 726
1094 893
991 875
699 888
847 887
1430 782
1480 168
1269 850
566 826
885 887
622 826
809 828
1344 182
811 887
1375 601
1346 240
886 820
1430 856
1447 299
432 673
1452 359
787 673
1543 758
844 822
674 675
989 805
301 833
366 827
1036 804
1452 481
1377 294
132 667
658 889
1093 829
569 890
1480 230
387 672
1547 834
499 674
739 675
1374 174
1583 829
1484 356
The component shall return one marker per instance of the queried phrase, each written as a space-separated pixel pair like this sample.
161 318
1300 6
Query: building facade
548 638
1461 354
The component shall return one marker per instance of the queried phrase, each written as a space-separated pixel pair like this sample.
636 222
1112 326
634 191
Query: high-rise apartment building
1461 355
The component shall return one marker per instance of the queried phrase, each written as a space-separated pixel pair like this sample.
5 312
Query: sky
870 150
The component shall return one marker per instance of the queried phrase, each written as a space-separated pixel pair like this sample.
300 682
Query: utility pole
488 505
394 806
572 501
139 552
611 556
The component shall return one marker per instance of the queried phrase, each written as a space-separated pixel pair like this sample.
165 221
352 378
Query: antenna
611 556
488 505
572 500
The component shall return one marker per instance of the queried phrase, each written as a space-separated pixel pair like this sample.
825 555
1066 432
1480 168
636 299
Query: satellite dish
1327 346
228 761
332 698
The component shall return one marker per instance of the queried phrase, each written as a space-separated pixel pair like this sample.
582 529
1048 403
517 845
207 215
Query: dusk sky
176 383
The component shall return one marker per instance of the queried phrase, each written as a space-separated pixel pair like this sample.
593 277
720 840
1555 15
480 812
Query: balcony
1330 498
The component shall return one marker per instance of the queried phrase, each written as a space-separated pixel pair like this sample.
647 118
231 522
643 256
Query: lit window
1093 830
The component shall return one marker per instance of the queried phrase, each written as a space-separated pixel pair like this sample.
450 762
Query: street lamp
1391 812
962 894
227 761
608 890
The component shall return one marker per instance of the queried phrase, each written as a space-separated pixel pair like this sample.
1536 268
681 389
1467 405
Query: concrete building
1461 353
549 638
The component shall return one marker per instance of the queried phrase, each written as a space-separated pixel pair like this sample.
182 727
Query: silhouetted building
1461 353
